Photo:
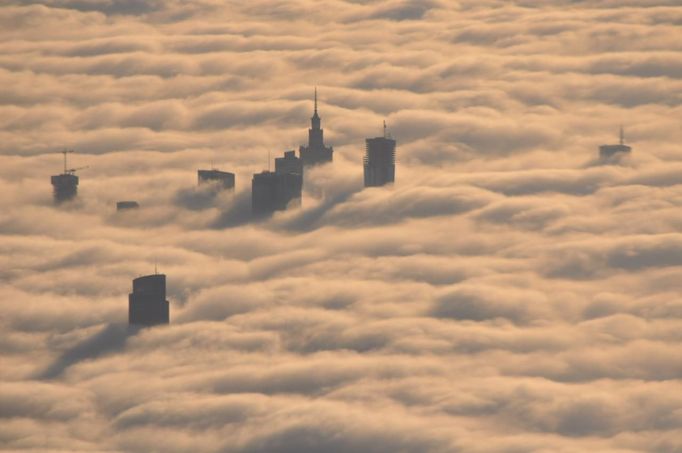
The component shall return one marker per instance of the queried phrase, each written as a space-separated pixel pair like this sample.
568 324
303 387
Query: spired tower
316 152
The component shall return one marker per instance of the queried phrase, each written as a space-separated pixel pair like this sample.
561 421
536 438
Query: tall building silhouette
289 163
65 185
222 179
316 152
608 151
379 160
147 304
275 191
272 191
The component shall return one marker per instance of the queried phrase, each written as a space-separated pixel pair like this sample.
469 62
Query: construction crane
65 152
70 171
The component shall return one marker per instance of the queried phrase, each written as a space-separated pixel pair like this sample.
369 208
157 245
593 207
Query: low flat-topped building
222 179
609 151
126 205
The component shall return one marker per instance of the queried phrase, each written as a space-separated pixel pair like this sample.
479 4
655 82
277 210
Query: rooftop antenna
156 271
385 129
622 135
315 100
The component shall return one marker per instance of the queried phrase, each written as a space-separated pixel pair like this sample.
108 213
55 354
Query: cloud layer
510 293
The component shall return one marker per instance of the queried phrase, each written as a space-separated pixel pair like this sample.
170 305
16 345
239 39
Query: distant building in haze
379 161
289 163
316 152
273 191
608 151
126 205
147 304
65 185
223 179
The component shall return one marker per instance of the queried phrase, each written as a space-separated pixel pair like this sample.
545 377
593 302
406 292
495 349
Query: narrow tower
379 160
316 152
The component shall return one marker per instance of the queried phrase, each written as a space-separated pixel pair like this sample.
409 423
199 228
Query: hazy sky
510 294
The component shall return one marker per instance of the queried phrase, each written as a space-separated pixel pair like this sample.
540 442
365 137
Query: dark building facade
223 179
316 152
147 304
126 205
64 187
379 161
609 151
289 163
273 191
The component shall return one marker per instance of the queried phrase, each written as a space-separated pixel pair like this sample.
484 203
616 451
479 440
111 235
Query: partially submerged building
273 191
127 205
289 163
65 185
221 179
379 160
315 152
147 304
607 152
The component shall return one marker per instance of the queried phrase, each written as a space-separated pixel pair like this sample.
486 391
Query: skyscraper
222 179
316 152
65 185
289 163
147 304
379 160
273 191
608 151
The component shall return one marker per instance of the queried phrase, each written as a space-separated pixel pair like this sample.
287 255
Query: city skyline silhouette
339 226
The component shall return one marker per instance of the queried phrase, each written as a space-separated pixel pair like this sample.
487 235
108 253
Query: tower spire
315 100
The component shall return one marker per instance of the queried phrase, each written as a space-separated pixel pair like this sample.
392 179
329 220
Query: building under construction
607 152
379 160
147 304
65 185
221 179
316 152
